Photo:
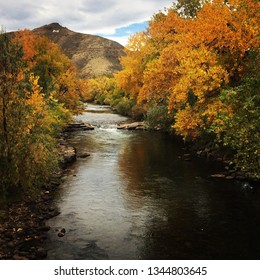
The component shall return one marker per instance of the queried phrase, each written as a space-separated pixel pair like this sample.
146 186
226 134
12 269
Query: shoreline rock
132 126
68 155
23 229
78 126
83 155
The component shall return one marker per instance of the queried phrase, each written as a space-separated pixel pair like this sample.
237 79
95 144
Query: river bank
203 149
85 228
143 195
23 224
22 232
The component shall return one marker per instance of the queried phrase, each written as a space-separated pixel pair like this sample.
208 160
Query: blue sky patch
122 34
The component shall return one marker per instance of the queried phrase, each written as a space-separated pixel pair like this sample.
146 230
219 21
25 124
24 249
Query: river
136 197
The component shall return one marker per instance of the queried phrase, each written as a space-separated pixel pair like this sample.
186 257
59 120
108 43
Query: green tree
10 68
28 122
240 131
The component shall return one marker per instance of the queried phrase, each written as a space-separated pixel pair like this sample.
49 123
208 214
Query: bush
241 130
124 106
157 117
138 112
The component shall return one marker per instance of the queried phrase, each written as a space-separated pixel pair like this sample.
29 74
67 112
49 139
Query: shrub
157 117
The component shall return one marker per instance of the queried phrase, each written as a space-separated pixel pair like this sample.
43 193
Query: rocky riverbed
22 232
23 226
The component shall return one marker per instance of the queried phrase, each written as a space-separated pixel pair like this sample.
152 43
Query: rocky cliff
93 55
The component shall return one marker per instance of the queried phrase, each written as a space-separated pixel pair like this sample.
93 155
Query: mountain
93 55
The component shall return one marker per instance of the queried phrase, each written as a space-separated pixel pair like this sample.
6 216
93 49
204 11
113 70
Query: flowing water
136 197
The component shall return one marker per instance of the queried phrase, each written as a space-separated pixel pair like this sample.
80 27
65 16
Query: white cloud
86 16
120 39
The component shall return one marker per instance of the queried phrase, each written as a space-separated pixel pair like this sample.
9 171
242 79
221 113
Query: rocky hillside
93 55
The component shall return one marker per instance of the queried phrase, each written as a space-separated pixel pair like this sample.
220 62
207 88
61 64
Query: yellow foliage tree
57 76
130 79
186 61
29 121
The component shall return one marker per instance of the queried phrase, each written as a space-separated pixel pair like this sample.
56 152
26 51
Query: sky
113 19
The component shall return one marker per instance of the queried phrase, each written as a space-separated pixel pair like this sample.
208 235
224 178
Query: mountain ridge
93 55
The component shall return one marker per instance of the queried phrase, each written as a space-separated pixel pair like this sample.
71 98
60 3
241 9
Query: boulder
78 126
61 234
132 126
83 155
69 155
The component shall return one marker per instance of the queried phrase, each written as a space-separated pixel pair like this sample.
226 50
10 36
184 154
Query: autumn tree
131 77
230 29
189 8
29 122
187 58
57 75
9 74
240 130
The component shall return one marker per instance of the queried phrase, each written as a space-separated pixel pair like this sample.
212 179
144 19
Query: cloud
86 16
120 39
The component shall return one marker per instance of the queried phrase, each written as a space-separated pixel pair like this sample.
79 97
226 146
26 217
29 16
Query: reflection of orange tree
132 164
135 160
165 208
148 155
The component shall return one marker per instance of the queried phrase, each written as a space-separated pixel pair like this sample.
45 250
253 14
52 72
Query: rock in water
132 126
69 155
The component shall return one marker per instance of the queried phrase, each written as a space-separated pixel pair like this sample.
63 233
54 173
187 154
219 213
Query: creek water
136 197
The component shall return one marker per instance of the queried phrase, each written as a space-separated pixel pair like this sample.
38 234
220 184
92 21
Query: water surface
136 197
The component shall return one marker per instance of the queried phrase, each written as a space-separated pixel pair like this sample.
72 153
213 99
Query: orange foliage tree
28 122
57 76
186 61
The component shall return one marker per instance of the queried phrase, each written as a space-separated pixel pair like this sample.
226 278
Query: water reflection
136 197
